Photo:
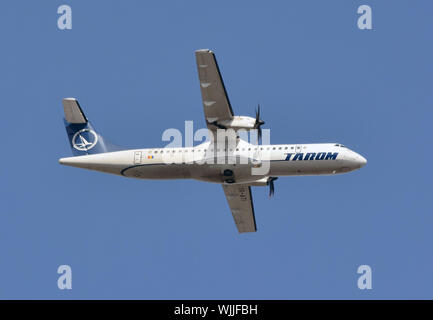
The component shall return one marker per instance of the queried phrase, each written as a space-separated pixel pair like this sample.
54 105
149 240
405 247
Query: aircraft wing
241 204
216 103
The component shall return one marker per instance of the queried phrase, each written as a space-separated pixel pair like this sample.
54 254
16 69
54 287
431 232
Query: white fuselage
207 162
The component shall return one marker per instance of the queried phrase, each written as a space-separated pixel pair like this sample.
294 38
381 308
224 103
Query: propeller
271 185
258 124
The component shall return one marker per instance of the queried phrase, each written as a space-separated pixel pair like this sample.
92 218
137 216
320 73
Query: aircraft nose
355 160
361 161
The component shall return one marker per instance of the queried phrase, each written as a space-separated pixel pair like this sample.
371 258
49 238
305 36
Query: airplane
230 164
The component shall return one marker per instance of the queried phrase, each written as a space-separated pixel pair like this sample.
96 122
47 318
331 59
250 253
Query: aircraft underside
240 173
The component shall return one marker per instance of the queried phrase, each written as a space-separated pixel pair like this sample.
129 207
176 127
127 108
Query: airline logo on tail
84 139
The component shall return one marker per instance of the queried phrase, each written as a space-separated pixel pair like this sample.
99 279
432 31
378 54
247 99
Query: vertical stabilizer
82 136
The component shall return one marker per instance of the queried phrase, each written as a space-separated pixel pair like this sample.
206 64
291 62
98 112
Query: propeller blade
271 189
258 124
271 185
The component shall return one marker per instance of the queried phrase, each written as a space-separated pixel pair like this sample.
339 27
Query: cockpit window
340 145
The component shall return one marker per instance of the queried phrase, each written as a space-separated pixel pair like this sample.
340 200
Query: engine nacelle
238 122
260 183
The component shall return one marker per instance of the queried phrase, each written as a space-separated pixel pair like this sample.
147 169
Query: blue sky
131 64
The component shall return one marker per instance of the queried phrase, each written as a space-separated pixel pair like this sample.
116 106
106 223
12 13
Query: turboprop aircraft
230 161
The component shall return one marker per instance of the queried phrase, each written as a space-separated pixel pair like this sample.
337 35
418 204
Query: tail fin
82 137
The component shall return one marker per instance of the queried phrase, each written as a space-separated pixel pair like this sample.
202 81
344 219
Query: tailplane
82 136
